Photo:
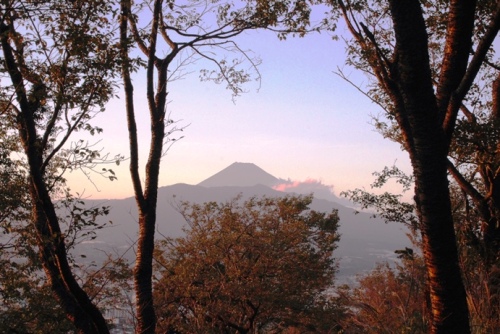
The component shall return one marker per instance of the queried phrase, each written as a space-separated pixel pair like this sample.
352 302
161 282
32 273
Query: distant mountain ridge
364 240
241 174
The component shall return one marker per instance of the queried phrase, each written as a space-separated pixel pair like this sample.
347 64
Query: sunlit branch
137 36
471 73
129 105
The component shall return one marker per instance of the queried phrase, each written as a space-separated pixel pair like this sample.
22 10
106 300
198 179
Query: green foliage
263 265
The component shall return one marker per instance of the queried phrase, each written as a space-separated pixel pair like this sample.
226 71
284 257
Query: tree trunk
428 151
74 301
146 200
146 317
447 293
147 203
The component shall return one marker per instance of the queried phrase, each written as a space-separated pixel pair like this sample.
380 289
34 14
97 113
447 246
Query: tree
176 35
57 69
27 303
12 181
389 300
477 276
474 165
262 265
423 91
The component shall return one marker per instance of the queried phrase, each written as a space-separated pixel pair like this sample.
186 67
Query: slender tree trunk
143 272
147 203
146 199
146 316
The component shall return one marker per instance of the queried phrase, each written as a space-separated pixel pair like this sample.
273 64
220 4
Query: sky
301 122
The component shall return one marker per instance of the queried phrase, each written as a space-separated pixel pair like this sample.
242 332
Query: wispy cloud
308 183
307 186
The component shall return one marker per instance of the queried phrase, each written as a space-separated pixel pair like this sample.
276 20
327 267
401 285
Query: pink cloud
308 185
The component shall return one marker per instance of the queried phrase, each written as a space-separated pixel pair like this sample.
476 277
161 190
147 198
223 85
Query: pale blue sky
304 122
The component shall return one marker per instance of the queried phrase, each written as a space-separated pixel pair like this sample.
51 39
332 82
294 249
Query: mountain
364 240
242 175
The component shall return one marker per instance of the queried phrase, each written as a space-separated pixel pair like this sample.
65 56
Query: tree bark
75 302
146 199
73 299
492 232
143 272
428 155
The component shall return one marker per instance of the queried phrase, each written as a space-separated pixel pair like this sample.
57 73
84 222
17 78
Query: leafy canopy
262 264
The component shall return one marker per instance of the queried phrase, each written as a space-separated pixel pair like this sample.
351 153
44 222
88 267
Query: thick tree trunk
428 151
447 293
75 302
427 119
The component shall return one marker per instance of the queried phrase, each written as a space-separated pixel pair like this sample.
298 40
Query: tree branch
475 64
456 51
129 101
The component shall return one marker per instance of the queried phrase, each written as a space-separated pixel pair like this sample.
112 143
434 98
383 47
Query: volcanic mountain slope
241 174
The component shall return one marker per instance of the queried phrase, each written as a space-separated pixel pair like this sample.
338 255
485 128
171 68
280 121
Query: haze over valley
364 240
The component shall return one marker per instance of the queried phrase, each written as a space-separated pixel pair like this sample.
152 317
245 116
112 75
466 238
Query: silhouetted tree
175 35
422 90
57 72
